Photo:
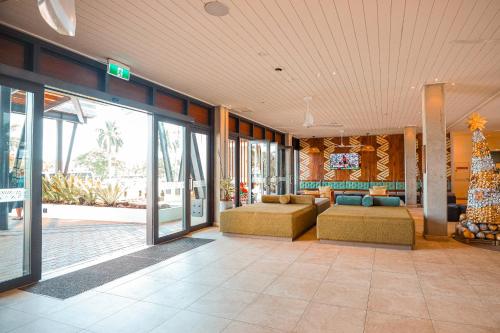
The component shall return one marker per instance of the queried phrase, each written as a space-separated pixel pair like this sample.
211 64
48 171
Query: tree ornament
476 122
483 204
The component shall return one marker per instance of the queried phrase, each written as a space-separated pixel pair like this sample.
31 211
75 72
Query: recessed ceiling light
278 69
334 73
263 54
412 87
318 75
453 83
216 8
436 80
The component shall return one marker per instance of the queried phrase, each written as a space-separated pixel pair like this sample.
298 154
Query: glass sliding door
199 179
244 173
274 169
20 199
259 169
170 180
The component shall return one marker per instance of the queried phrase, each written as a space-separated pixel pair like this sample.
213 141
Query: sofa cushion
349 200
270 199
367 201
302 199
324 191
284 199
386 201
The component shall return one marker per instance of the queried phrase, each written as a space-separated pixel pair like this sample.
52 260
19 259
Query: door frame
152 230
266 182
35 209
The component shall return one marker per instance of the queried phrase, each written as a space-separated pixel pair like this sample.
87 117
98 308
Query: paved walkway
67 242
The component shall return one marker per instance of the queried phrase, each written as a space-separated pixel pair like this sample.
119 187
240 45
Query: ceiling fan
309 119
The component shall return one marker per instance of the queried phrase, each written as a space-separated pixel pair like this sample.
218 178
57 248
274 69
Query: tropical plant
227 188
110 194
95 161
110 141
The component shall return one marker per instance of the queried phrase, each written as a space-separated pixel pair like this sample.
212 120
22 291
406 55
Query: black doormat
77 282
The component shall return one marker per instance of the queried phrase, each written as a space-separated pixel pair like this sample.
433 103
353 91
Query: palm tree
109 139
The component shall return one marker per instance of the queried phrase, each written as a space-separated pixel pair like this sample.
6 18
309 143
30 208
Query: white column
410 139
221 150
434 158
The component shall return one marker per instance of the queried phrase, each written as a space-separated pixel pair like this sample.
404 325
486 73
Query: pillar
434 162
221 157
410 141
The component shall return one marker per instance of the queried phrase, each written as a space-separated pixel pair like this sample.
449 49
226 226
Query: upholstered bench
271 218
322 204
376 225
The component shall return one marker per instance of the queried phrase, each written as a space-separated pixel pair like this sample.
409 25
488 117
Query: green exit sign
119 70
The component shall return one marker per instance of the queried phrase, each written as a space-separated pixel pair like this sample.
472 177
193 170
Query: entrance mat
77 282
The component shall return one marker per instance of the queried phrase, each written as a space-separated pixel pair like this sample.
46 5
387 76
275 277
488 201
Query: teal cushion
367 201
386 201
339 185
349 200
391 186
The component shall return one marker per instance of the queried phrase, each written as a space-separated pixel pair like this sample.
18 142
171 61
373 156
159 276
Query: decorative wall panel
329 149
305 160
354 140
383 158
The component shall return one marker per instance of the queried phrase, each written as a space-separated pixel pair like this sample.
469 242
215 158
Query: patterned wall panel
305 159
383 158
386 162
329 149
354 140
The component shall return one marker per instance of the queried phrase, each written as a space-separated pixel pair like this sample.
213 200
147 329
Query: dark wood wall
389 151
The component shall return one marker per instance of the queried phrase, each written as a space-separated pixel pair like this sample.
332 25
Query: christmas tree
483 206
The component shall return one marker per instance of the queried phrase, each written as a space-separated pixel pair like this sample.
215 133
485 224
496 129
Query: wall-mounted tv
344 161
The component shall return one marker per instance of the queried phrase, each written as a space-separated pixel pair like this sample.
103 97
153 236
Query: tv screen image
347 161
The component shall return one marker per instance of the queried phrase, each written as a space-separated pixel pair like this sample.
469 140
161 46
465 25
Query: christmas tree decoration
483 206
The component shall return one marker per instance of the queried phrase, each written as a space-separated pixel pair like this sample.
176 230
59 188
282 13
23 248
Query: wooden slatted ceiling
378 50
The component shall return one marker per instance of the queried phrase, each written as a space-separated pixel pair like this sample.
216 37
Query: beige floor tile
446 327
331 318
307 271
432 286
91 310
395 281
348 262
438 270
268 266
377 322
348 295
234 262
319 256
398 303
275 312
176 271
250 281
140 288
461 310
394 266
192 322
44 325
38 304
210 276
135 318
286 286
179 294
240 327
352 276
223 302
11 319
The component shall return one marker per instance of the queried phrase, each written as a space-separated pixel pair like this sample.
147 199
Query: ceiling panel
362 61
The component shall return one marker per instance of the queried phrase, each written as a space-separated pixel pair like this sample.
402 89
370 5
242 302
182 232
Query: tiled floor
250 285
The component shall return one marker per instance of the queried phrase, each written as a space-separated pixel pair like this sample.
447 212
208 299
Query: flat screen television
344 161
